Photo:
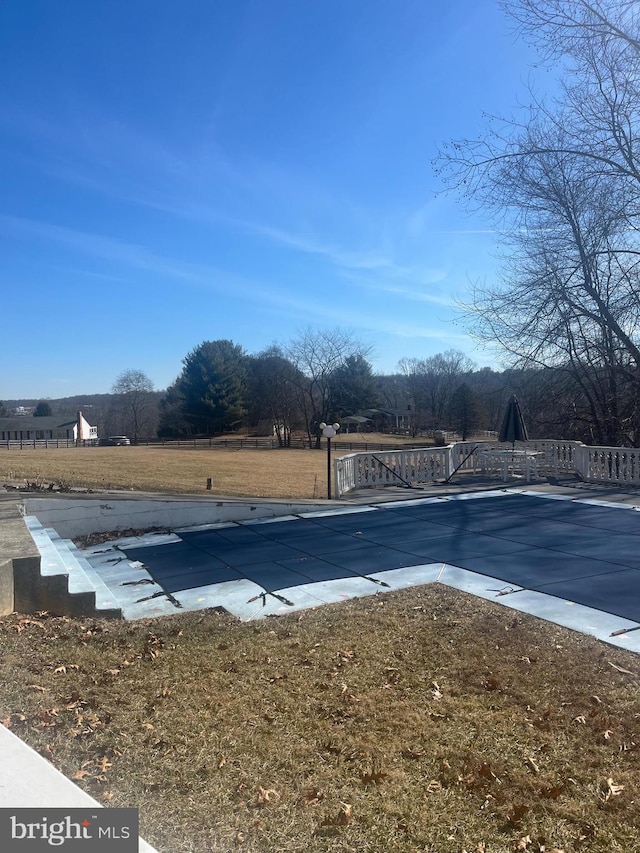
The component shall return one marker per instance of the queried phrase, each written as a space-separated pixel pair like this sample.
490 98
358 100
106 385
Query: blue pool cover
588 554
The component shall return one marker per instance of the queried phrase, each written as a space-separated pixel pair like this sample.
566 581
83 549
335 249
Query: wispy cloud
128 255
136 257
467 231
410 330
411 294
379 253
96 245
308 244
202 183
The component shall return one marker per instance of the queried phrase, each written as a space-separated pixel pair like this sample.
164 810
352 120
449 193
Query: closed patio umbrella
513 427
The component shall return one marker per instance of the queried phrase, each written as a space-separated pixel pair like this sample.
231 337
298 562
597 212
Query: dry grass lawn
253 473
422 720
278 473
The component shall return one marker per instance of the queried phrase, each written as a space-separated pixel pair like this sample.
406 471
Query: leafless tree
569 297
564 187
139 409
431 383
558 27
318 354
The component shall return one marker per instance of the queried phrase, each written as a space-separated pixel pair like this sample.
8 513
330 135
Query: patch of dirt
92 539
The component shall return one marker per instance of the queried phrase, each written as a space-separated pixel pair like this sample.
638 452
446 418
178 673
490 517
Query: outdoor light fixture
328 431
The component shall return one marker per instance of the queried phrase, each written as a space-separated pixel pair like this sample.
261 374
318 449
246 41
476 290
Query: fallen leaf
65 667
374 777
486 771
266 796
80 774
16 717
620 668
529 761
342 818
588 831
612 790
221 762
24 623
312 797
413 753
48 713
523 842
434 786
518 811
552 791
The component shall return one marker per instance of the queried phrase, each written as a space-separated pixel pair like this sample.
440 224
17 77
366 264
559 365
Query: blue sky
174 172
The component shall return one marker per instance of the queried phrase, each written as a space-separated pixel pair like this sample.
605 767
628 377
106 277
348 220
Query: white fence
437 464
610 465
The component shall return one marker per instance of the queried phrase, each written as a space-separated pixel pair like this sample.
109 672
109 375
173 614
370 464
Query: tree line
326 375
288 389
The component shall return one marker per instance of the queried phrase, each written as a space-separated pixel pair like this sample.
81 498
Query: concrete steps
65 584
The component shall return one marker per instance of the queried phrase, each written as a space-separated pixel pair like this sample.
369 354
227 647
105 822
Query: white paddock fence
437 464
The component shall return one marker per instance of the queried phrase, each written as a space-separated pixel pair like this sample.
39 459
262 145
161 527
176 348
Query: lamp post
328 431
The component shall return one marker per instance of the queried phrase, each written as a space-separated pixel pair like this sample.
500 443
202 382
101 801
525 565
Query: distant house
356 423
395 420
56 427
